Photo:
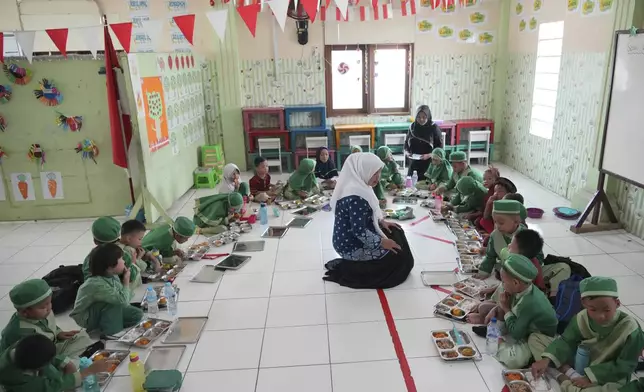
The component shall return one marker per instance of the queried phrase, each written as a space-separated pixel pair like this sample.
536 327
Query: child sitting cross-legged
325 168
438 172
612 338
103 301
260 184
302 183
469 197
31 365
166 238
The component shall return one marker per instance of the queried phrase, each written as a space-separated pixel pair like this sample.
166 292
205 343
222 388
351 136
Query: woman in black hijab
325 168
423 136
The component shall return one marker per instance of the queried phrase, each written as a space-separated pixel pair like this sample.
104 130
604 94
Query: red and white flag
435 3
409 7
339 17
382 11
322 13
364 13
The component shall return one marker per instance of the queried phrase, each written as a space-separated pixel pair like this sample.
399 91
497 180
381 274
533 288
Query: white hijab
356 172
228 179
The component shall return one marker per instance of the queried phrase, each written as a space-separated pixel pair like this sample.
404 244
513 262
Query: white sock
554 373
571 373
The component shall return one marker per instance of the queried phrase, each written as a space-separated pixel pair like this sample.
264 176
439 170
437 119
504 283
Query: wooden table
347 128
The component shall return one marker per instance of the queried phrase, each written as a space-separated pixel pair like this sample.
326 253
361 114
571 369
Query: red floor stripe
421 220
395 338
439 288
431 237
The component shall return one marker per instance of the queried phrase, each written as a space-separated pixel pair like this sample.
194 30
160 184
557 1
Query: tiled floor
275 326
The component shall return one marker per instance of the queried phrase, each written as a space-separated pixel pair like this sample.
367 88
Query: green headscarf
356 149
209 210
391 167
467 186
383 152
304 178
435 172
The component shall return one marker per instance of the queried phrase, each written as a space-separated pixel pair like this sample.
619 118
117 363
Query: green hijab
391 167
217 206
356 149
436 172
303 179
467 186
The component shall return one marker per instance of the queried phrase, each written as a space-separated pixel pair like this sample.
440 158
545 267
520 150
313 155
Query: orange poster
156 120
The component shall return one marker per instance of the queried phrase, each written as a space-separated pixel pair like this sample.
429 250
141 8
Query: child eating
165 239
390 178
231 181
260 184
501 188
325 168
213 213
468 198
32 300
105 230
103 301
302 183
613 340
460 169
438 172
490 177
132 233
31 365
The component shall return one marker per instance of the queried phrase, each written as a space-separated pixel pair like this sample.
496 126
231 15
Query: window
546 79
11 48
368 79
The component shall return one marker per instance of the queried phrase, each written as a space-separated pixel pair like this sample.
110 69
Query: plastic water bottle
492 338
582 360
408 182
137 373
414 178
171 298
90 383
263 214
151 299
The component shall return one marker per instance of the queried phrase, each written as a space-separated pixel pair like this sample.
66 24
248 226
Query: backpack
575 268
64 282
568 302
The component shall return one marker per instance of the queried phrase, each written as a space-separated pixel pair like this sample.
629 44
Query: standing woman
423 136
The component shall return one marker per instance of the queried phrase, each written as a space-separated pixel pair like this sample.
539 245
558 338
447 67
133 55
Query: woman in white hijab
231 181
374 253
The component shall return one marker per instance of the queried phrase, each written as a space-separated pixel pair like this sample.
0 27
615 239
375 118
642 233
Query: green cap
235 199
458 156
383 152
184 226
466 186
106 229
29 293
598 286
356 149
520 267
507 207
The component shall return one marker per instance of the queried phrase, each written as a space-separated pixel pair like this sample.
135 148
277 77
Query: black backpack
64 282
568 302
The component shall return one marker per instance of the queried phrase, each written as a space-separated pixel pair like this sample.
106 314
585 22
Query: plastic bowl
535 213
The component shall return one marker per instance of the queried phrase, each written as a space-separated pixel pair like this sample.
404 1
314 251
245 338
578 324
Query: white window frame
549 51
11 41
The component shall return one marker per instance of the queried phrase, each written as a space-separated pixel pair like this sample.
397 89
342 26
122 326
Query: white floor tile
603 265
576 246
297 283
295 379
226 380
194 308
238 314
551 229
12 274
20 240
637 310
84 224
611 243
35 255
6 252
119 384
189 291
74 253
417 303
295 346
353 307
434 374
58 238
296 311
416 338
630 289
360 342
227 350
490 369
380 376
634 261
298 260
244 286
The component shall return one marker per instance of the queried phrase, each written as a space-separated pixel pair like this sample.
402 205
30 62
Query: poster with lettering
175 8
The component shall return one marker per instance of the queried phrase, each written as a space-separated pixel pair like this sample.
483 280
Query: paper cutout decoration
249 13
3 124
5 93
22 186
2 154
52 185
59 38
36 154
73 124
88 148
17 74
48 93
123 32
186 23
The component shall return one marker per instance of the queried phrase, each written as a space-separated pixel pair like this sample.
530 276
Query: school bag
568 302
64 282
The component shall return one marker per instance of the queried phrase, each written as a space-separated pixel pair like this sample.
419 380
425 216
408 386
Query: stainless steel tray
207 274
275 232
437 278
164 357
249 246
306 211
186 330
299 223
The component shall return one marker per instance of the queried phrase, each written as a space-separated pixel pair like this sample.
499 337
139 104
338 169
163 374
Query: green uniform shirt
495 244
19 327
470 203
451 184
98 289
530 312
162 239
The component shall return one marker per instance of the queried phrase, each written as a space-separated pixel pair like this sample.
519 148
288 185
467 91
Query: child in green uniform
213 213
469 197
132 233
32 300
355 149
390 178
165 238
460 169
231 181
613 339
438 173
103 301
302 183
31 365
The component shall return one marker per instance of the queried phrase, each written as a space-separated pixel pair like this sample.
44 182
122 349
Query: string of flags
361 10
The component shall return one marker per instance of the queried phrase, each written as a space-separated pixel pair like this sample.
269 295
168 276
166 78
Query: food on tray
162 324
142 342
439 335
442 308
146 324
113 366
457 312
449 302
464 338
449 354
444 344
102 377
520 386
163 301
467 351
98 357
513 376
457 297
460 285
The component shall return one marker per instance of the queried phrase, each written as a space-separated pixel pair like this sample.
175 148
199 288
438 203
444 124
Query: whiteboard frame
607 114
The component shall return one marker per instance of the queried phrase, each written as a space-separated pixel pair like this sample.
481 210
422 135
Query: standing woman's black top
422 139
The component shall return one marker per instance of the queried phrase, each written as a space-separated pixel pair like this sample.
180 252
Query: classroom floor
275 326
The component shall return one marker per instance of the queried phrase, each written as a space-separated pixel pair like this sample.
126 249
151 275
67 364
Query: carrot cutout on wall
23 186
52 184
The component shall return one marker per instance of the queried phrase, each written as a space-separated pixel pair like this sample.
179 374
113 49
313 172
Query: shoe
480 330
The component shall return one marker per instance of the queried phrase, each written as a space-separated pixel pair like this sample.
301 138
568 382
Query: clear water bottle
492 338
263 214
151 300
582 360
90 383
414 178
171 298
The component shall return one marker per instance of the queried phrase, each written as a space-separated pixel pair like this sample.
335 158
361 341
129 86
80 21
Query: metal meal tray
405 200
436 215
468 247
164 357
437 278
470 287
149 329
455 302
114 355
249 246
524 377
469 264
299 222
431 204
207 274
185 330
275 232
306 211
449 348
196 253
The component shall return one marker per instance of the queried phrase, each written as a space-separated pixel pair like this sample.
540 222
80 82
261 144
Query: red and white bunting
435 3
218 20
340 17
409 7
59 38
382 12
364 13
322 13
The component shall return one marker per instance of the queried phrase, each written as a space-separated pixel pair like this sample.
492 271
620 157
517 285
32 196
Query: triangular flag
26 42
364 13
154 30
279 8
249 14
59 38
374 3
408 7
186 23
93 37
218 20
311 8
1 47
123 32
342 6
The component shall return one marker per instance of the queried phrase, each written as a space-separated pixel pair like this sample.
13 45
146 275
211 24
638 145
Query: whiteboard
624 135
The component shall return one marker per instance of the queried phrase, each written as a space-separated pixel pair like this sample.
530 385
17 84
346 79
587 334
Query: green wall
90 190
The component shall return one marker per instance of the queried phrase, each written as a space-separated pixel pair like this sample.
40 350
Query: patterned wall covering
630 204
560 164
214 133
